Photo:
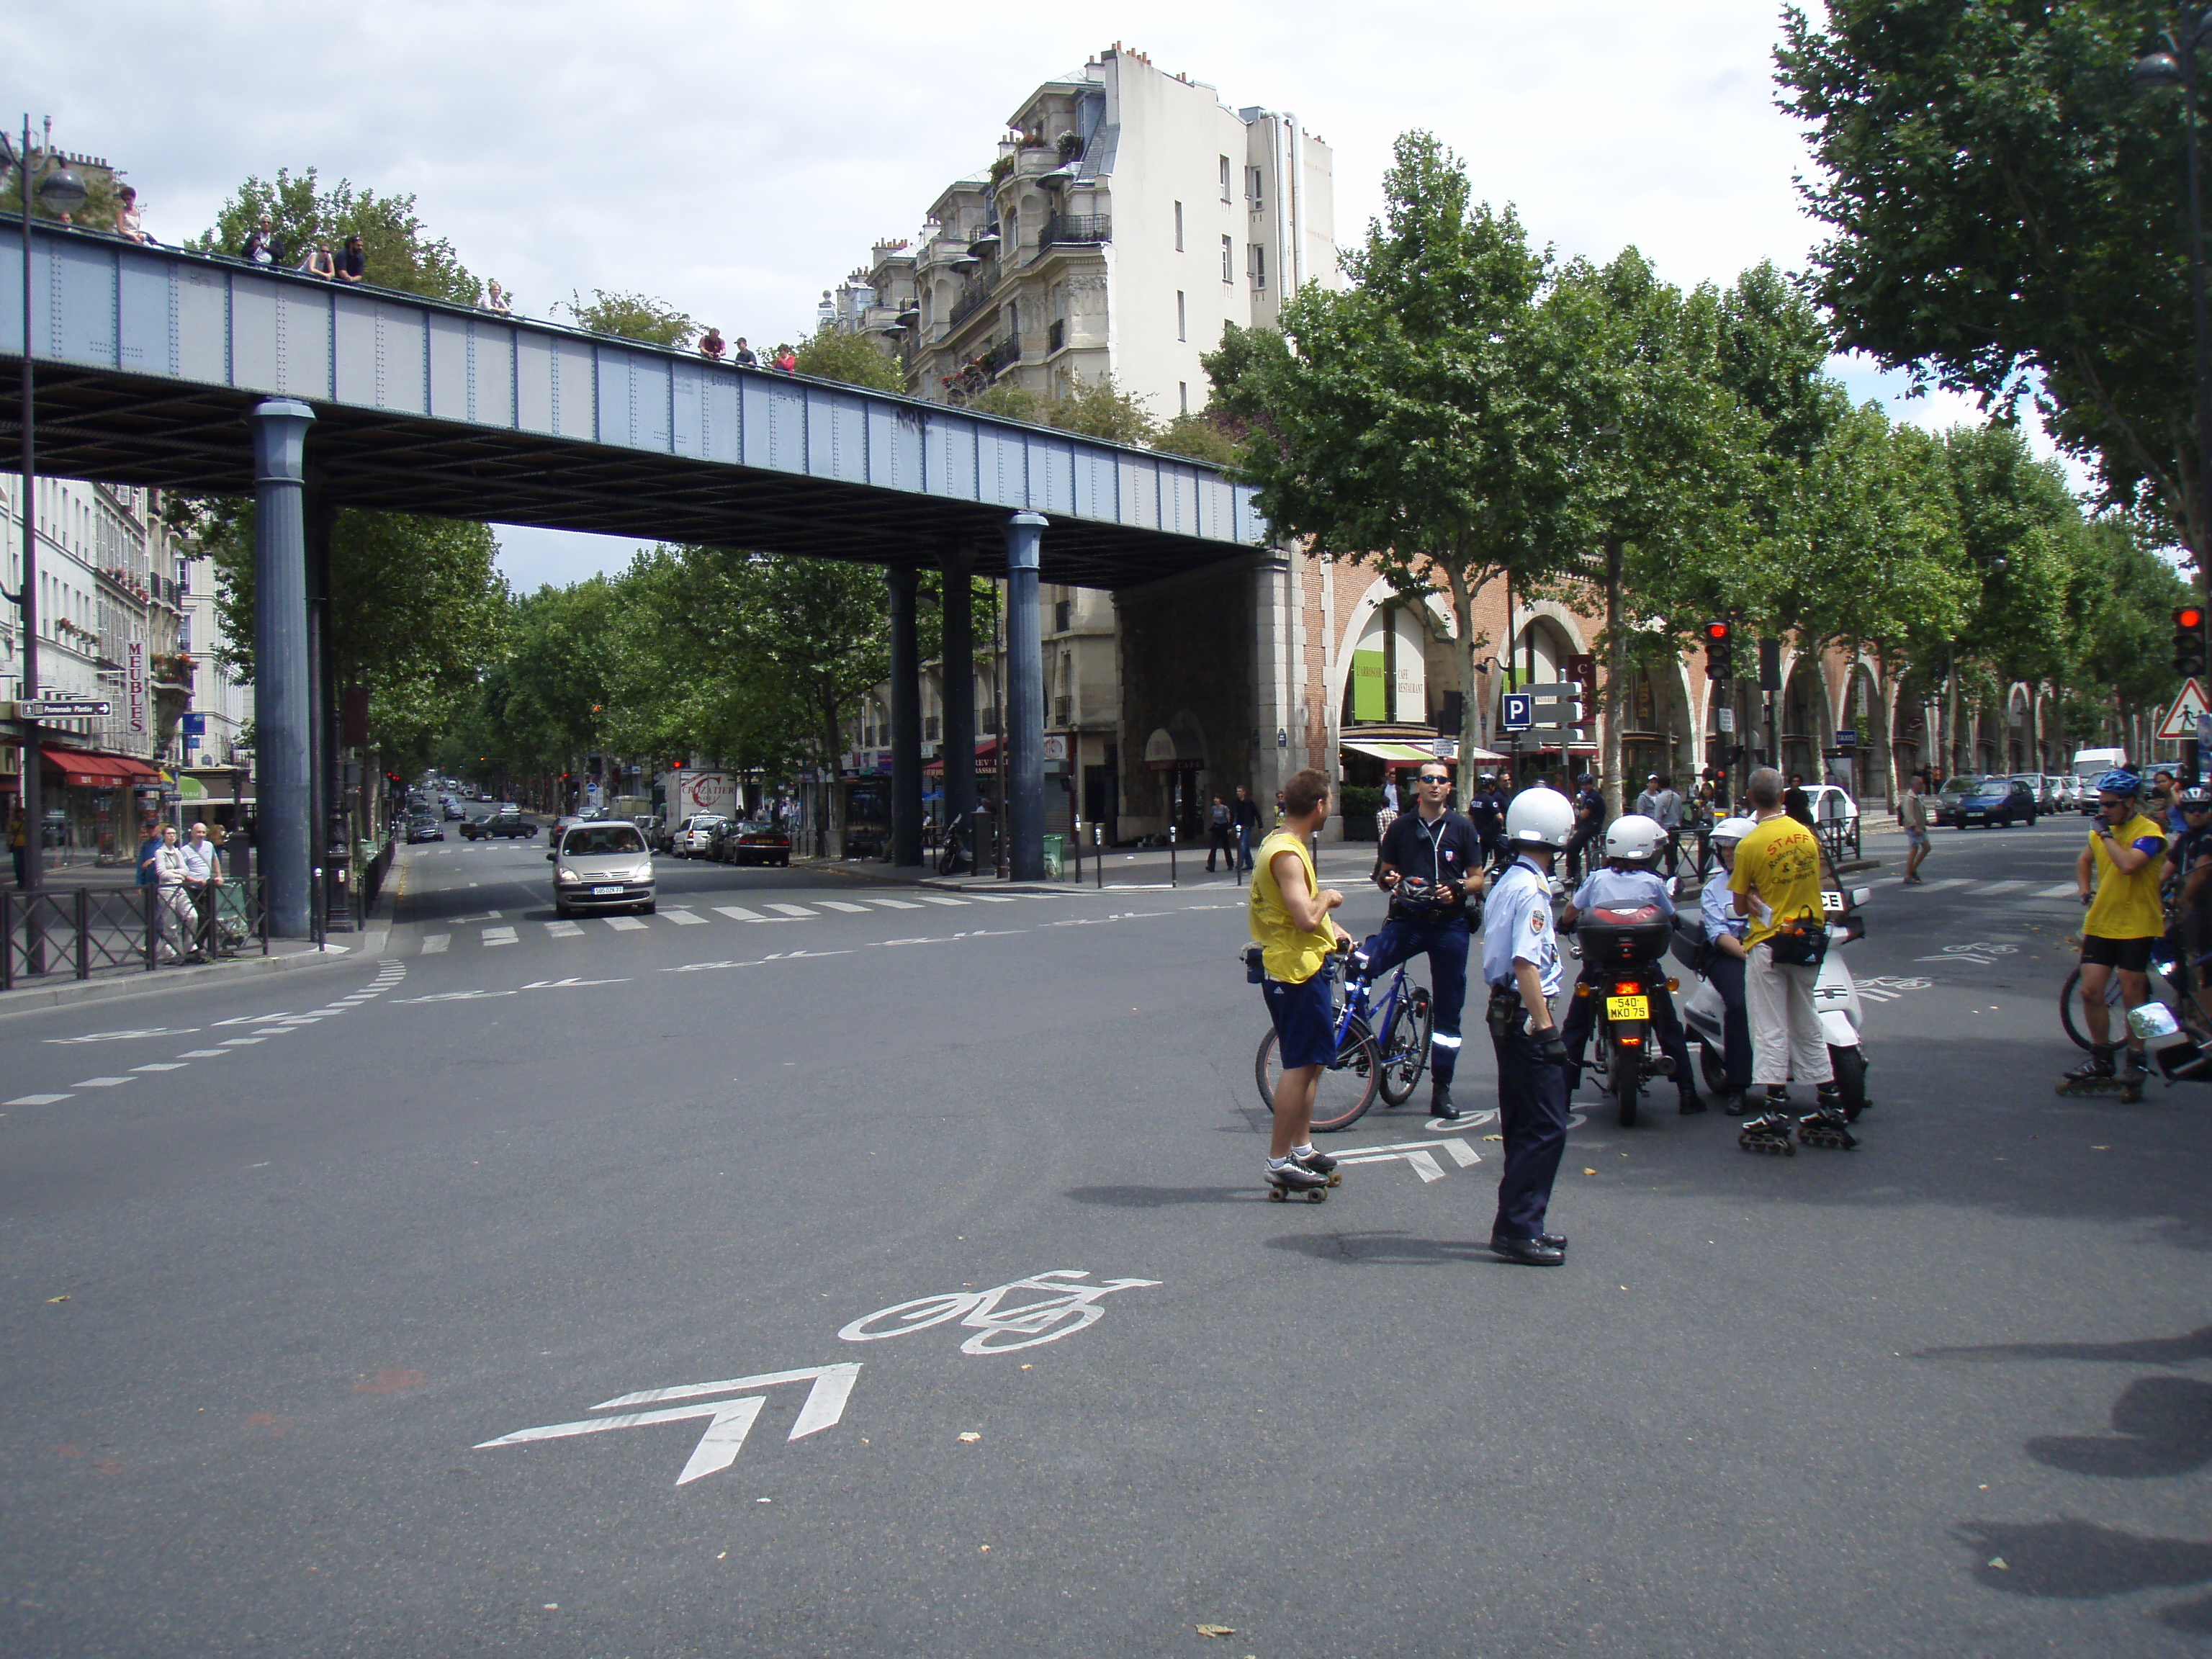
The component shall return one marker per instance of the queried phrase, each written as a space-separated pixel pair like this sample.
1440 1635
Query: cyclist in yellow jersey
1289 915
2118 876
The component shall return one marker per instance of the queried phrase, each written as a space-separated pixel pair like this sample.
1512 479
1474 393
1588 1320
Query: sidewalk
1145 867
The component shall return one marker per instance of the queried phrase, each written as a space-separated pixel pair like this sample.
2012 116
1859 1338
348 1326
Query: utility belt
1508 1015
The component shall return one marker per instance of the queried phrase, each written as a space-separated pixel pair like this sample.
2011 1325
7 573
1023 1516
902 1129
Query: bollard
1098 855
1238 857
1171 856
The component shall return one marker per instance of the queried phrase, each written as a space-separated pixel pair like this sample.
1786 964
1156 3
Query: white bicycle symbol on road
1066 1308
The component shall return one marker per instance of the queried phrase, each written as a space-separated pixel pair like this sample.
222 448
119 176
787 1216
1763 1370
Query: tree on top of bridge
832 355
399 251
630 316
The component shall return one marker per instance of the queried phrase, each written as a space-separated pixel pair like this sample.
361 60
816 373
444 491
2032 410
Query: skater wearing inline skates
2118 875
2190 858
1431 864
1521 965
1288 912
1724 932
1626 880
1777 885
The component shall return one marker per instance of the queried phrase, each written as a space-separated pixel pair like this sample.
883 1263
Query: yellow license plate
1637 1007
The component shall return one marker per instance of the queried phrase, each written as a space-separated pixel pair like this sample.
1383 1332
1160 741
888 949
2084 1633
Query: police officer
1429 863
1625 881
1486 810
1589 824
1520 965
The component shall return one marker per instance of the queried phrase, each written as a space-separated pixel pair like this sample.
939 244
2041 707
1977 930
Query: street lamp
63 192
2175 70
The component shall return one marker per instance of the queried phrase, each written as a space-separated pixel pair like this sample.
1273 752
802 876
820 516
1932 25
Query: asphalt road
280 1261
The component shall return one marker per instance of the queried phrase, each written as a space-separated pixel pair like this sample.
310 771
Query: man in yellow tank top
1288 912
2118 876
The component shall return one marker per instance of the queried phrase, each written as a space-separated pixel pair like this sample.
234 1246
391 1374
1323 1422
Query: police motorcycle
1834 994
1623 950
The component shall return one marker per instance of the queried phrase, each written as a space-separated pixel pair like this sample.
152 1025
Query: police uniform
1589 826
1531 1090
1486 810
1446 851
1717 905
1624 890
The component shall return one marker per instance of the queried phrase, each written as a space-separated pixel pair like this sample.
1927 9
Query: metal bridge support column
959 675
283 699
905 720
1024 772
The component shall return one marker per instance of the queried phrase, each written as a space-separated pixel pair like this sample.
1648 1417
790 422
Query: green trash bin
1055 857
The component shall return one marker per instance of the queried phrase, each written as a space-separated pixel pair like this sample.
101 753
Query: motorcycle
1834 995
1627 948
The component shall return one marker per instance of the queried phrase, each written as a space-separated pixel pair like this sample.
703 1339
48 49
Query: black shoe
1528 1252
1691 1105
1557 1241
1440 1104
1735 1102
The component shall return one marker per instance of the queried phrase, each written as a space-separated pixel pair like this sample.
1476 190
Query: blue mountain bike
1366 1064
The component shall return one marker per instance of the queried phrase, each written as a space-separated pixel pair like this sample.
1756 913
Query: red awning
986 759
83 768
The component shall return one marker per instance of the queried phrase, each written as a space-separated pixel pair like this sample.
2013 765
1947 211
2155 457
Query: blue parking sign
1520 711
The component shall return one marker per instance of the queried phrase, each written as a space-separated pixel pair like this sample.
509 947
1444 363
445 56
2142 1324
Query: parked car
2038 790
2061 790
754 841
498 824
424 827
1995 801
696 836
1953 791
602 866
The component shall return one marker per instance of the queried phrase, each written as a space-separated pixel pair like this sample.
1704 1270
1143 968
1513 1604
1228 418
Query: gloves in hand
1548 1040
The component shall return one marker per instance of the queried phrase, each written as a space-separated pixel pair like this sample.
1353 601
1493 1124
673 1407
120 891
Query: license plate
606 892
1637 1007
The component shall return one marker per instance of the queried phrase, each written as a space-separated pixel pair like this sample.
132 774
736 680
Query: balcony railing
1076 227
977 296
1056 335
1007 352
1062 709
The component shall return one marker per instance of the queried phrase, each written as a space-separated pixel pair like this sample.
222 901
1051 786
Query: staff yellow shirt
1286 951
1780 862
2126 906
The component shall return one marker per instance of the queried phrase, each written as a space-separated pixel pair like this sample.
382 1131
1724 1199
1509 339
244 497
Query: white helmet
1729 832
1634 838
1540 818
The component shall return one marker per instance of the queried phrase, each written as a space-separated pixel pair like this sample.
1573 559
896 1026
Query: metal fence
74 933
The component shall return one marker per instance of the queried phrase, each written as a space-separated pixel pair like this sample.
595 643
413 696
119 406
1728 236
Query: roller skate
2097 1075
1294 1177
1317 1161
1768 1133
1827 1124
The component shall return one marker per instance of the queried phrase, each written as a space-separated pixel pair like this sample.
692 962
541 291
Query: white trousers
1786 1042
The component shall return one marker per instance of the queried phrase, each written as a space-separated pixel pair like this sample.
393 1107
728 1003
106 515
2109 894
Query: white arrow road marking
488 915
254 1019
119 1037
562 984
728 1421
1419 1156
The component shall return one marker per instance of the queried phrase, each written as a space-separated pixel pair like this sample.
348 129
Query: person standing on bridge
353 265
742 357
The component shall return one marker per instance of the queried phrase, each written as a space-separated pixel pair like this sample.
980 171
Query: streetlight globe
2158 71
63 191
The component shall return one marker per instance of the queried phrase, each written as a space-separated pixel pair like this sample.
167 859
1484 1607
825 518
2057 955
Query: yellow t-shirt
1288 953
1780 861
2126 906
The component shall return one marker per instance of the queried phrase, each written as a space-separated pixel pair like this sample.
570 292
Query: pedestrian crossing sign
2180 721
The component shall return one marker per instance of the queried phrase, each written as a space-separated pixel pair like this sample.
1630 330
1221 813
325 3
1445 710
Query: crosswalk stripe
685 918
161 1066
564 929
624 923
1998 887
932 898
738 913
1953 881
434 942
994 898
896 904
791 909
840 904
2061 890
498 936
100 1082
33 1100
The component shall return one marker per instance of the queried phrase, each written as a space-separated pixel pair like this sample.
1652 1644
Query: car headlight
559 874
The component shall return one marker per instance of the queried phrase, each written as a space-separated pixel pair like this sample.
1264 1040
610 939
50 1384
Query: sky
736 159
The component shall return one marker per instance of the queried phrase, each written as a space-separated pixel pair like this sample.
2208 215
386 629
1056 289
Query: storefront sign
135 679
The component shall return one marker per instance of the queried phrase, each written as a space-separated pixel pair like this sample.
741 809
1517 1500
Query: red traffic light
2189 616
1717 630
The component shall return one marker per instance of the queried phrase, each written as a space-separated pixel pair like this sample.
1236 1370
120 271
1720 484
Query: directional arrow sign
64 708
2180 721
1419 1155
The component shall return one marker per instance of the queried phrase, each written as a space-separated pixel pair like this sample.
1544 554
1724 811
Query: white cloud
736 160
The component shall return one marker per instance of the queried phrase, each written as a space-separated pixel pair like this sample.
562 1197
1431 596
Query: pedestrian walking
1288 914
1795 802
1777 884
1219 834
1589 824
1431 864
1521 965
177 919
1244 817
203 880
1912 813
1486 810
18 841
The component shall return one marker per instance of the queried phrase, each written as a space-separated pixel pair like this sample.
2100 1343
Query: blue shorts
1305 1035
1915 837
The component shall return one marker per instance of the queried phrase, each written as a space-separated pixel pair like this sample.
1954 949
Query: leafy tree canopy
834 356
399 251
630 316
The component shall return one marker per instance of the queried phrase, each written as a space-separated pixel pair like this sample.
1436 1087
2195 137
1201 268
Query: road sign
196 725
64 708
1728 720
1055 745
1520 712
1847 737
2180 721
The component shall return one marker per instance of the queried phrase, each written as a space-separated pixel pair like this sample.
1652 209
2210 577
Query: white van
2089 765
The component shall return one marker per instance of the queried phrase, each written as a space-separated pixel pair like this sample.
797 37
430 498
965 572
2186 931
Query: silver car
602 866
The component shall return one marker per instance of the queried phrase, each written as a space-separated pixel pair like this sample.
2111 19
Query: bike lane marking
1419 1156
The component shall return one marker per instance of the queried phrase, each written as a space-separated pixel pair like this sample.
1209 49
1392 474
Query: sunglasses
1427 778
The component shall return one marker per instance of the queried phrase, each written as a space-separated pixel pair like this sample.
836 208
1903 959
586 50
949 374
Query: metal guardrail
74 933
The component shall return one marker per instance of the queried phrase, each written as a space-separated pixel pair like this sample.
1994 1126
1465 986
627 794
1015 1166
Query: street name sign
2180 721
63 708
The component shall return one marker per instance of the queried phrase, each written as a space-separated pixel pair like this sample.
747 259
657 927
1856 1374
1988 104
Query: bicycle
1365 1064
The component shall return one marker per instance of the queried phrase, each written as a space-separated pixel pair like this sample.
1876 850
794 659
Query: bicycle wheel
1404 1047
1347 1085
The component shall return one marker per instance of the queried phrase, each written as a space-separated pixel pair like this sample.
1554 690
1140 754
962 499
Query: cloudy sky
737 158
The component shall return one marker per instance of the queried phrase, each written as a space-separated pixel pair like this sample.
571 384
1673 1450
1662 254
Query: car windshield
602 841
754 827
1994 787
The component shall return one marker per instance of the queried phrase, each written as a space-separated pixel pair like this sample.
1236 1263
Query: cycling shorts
1304 1033
2130 956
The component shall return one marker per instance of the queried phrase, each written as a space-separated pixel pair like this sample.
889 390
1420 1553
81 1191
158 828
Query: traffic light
2189 640
1720 639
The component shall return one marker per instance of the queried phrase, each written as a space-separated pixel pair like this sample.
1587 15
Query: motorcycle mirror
2152 1021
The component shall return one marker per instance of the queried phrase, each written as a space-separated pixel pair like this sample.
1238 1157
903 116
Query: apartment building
1128 217
111 616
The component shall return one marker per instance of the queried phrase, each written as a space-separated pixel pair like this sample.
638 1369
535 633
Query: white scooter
1833 994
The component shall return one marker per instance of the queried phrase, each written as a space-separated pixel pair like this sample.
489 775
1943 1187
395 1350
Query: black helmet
2195 799
1584 778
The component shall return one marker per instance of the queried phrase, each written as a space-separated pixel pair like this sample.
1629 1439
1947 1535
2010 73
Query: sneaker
1295 1177
1316 1160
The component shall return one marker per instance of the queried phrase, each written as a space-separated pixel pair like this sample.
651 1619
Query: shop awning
86 769
987 760
1407 754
